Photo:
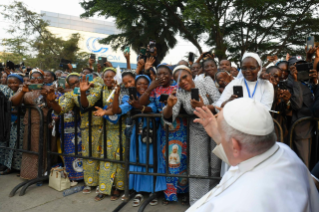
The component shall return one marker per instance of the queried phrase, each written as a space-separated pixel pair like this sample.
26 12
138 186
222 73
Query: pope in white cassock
264 175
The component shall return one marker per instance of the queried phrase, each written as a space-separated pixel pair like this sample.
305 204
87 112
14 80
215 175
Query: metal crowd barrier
40 175
150 118
314 147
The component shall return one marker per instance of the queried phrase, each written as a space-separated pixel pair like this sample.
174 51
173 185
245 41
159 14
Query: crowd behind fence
42 174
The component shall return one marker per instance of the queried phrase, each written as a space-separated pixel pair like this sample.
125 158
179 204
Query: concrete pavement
44 198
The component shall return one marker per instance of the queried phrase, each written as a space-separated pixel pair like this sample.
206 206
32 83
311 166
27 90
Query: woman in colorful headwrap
29 164
114 173
141 183
177 135
88 97
8 158
74 166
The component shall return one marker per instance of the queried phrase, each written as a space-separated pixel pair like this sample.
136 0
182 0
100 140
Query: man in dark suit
303 131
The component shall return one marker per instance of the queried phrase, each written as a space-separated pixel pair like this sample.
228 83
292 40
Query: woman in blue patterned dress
177 139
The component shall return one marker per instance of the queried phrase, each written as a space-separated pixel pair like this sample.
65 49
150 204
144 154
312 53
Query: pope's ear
236 147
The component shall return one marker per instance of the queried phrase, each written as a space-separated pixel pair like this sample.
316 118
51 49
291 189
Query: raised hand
285 95
149 63
313 75
196 104
172 99
84 84
209 122
293 72
25 87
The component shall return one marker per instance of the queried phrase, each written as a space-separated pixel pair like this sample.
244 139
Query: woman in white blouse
253 86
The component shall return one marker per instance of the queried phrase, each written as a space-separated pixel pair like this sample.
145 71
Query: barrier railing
40 175
150 118
314 147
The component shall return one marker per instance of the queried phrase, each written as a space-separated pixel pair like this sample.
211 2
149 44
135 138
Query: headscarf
36 70
144 76
16 76
72 74
181 67
109 69
257 58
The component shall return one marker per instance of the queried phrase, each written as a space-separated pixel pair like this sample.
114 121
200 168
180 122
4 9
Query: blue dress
141 183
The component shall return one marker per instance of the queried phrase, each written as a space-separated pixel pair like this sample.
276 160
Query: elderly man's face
227 145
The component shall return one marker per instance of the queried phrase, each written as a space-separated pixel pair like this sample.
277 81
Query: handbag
59 179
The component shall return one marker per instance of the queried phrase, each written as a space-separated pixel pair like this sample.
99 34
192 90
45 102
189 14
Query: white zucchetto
248 116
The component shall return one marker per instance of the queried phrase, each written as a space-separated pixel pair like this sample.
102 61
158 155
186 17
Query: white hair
250 143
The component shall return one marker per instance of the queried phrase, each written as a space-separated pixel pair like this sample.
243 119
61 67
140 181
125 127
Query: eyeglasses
34 78
248 68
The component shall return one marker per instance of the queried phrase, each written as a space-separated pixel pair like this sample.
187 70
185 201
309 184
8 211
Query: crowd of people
162 88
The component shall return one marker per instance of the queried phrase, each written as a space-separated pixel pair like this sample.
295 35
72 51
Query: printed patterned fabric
112 173
9 158
72 100
177 156
156 94
74 166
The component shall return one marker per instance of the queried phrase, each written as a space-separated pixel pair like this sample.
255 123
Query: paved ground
44 198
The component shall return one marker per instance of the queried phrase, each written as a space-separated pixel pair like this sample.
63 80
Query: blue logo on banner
90 44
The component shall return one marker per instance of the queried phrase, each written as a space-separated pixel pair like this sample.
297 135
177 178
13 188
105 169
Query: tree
232 26
34 42
143 20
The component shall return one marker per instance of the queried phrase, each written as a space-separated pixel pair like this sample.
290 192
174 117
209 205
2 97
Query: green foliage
231 27
34 42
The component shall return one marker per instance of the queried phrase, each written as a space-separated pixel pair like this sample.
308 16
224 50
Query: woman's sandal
99 197
164 201
154 201
115 195
123 197
137 200
87 190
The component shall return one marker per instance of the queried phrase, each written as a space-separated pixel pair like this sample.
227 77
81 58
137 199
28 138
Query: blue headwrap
16 76
145 76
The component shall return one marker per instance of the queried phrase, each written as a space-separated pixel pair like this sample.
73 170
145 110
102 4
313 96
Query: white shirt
264 91
276 180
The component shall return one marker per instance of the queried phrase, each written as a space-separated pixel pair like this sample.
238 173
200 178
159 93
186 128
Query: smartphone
238 90
76 90
282 85
92 57
195 94
152 45
191 57
127 49
10 65
89 77
65 66
303 71
143 51
133 92
310 42
163 97
73 65
102 60
61 82
35 86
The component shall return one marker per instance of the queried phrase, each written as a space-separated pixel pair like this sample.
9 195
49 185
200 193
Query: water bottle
73 190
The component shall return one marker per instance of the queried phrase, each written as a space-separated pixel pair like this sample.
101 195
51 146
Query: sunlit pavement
43 198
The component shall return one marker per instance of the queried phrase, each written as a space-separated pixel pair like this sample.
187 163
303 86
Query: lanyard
249 90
